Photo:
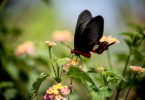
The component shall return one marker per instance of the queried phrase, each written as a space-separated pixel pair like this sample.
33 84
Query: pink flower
137 69
25 48
65 90
62 36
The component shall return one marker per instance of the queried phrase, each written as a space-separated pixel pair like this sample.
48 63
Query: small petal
109 39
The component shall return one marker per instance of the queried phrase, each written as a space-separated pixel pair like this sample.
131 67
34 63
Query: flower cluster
57 92
70 62
110 40
137 69
62 36
50 43
25 48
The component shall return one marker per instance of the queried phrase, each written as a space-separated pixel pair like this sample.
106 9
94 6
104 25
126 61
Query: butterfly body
78 53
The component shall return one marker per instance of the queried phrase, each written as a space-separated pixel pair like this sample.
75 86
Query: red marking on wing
85 54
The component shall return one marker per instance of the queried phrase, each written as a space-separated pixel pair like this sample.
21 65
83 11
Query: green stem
58 73
123 74
50 56
126 64
109 59
129 87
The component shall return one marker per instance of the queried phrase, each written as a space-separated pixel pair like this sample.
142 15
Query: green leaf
62 61
127 34
128 42
37 83
102 94
137 27
112 76
83 76
105 91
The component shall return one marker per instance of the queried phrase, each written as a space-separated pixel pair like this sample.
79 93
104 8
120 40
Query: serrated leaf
83 76
37 83
113 75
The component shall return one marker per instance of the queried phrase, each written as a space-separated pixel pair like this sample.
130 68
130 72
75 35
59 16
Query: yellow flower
73 62
54 87
59 86
49 91
137 69
55 91
109 39
50 43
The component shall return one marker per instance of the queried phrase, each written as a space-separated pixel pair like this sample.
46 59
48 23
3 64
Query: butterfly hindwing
92 33
83 19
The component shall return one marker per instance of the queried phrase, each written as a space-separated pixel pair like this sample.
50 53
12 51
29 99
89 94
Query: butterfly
88 33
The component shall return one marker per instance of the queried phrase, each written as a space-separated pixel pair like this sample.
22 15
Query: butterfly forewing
92 33
83 19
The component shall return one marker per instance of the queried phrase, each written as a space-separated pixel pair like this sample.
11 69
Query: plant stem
123 74
126 64
130 87
109 59
51 61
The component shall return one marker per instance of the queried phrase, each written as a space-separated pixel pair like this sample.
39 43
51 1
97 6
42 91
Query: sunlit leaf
78 73
37 83
113 75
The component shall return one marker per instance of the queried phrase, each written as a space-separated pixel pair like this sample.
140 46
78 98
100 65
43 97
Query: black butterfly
89 31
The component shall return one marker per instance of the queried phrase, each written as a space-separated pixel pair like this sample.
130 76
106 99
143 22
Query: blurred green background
36 20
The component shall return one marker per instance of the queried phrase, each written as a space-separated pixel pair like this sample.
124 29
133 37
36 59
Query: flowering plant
98 80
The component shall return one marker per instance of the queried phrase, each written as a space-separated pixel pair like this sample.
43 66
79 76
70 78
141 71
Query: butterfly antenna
66 45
